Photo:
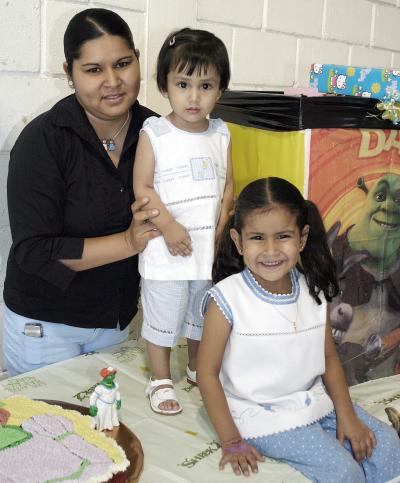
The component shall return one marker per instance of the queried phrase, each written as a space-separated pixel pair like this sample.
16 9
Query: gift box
354 81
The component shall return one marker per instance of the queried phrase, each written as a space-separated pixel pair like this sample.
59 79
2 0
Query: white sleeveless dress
189 177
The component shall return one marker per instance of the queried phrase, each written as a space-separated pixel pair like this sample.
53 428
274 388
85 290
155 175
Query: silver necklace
109 143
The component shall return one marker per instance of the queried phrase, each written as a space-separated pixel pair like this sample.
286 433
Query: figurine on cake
105 400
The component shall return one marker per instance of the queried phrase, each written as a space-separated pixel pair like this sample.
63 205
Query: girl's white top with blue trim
271 370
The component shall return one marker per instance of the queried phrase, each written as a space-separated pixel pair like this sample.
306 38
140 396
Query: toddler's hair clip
172 41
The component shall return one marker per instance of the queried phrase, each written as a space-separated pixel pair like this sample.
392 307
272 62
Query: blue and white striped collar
272 298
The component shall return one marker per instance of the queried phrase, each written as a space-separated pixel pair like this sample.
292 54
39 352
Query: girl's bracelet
237 448
232 441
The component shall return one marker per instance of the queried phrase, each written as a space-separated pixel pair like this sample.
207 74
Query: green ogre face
378 228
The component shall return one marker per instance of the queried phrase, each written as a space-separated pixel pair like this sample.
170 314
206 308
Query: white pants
171 309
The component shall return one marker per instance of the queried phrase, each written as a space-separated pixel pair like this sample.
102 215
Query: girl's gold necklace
293 322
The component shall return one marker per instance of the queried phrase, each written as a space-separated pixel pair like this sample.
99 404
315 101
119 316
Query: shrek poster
354 177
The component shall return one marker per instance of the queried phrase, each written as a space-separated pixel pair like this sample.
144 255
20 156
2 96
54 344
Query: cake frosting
40 442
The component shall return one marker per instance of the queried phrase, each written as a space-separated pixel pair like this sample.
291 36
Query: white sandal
191 376
158 396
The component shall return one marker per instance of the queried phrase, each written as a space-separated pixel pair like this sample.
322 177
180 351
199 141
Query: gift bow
390 105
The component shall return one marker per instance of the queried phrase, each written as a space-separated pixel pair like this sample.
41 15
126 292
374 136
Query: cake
41 442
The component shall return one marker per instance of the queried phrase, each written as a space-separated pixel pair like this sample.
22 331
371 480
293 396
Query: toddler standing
183 164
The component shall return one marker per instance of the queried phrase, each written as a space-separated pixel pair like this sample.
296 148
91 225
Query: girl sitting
268 371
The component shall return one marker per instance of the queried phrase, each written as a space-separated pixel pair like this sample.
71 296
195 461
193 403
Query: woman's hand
361 438
142 229
241 456
177 239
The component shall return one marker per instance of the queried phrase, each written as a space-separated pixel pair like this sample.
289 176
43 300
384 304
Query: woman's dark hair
191 50
91 24
317 263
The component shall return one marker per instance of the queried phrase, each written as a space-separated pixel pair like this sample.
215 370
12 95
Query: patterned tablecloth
183 448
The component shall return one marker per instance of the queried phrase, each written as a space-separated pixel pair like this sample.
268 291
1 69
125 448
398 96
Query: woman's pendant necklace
109 143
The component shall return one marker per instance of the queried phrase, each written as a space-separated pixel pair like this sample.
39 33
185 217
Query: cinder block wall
271 44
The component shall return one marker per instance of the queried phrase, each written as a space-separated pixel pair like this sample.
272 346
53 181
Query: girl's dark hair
317 263
91 24
191 50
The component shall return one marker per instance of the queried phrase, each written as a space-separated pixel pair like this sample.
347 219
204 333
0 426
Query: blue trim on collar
272 298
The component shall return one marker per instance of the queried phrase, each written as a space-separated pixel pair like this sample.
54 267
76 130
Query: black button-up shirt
62 188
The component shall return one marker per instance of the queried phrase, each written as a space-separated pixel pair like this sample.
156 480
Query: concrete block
142 93
223 32
321 51
162 20
233 12
137 5
5 244
284 15
248 87
370 57
386 29
3 372
263 58
155 101
4 160
20 35
396 61
32 95
58 14
348 21
137 24
57 18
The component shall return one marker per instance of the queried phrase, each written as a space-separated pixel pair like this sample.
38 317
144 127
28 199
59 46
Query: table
177 449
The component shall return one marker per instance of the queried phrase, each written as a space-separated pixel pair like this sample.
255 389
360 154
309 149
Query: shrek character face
378 229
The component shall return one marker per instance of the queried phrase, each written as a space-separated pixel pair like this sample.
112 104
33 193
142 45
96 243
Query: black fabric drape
276 112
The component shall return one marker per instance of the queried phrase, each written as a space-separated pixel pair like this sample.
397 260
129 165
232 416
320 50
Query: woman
72 282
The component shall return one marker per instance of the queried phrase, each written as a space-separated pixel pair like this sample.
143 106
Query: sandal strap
164 394
192 375
154 383
159 382
158 395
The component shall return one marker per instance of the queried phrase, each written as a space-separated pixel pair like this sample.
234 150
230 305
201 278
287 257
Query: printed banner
354 177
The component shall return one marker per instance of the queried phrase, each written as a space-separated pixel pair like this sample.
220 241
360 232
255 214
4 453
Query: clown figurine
105 400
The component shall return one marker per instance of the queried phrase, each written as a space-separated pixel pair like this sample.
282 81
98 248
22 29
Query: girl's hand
361 438
241 455
178 239
141 229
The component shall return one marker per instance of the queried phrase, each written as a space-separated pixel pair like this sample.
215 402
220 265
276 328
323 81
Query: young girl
183 165
268 370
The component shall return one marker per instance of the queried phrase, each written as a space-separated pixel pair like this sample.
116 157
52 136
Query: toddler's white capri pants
171 309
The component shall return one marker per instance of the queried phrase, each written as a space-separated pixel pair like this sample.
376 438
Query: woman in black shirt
72 281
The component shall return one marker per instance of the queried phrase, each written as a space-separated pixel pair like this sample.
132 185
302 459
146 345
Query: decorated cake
40 442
